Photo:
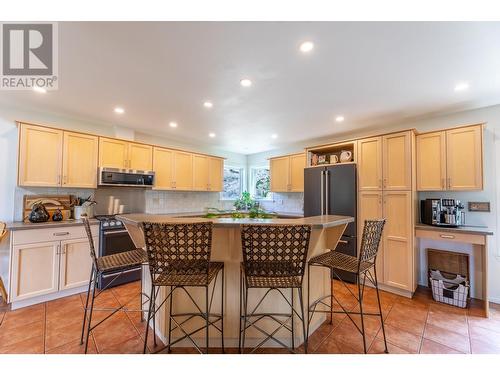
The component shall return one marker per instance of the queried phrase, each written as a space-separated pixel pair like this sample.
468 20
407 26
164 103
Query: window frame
251 182
242 182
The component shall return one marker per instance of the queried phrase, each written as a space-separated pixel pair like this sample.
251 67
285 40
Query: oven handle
115 232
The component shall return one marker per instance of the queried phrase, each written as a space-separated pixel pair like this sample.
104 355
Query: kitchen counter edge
484 231
19 225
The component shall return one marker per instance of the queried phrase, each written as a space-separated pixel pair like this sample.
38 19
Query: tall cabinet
386 175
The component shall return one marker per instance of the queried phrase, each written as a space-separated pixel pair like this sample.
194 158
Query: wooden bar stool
179 257
362 267
274 258
101 266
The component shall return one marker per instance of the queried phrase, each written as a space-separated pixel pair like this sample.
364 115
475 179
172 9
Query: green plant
245 202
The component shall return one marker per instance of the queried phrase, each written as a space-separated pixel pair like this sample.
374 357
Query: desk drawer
451 236
52 234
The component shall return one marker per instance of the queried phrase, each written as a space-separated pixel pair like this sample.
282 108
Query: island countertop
317 222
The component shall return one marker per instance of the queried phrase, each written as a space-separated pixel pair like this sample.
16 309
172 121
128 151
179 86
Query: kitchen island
226 247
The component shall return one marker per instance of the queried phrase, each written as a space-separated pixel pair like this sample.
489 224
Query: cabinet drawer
51 234
450 236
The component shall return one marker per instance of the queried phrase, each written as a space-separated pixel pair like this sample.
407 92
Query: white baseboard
47 297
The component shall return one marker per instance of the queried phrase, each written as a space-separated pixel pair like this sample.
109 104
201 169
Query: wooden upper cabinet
370 163
40 156
183 170
431 161
216 170
113 153
464 158
397 161
279 172
140 157
163 165
297 165
79 166
200 172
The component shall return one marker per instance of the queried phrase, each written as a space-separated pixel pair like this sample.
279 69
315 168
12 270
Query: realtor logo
28 56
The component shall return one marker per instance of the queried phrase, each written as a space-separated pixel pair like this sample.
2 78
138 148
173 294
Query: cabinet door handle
59 179
58 234
443 184
450 236
449 182
385 183
343 241
380 183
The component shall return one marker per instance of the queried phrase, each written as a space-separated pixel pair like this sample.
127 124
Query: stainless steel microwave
125 177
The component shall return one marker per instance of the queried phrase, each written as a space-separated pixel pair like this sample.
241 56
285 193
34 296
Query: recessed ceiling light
274 136
462 86
245 82
172 124
208 104
306 47
339 118
40 90
119 110
211 135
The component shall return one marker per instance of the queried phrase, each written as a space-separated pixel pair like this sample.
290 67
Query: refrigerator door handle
327 172
322 193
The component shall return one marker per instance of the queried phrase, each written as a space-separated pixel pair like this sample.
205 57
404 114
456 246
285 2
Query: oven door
113 242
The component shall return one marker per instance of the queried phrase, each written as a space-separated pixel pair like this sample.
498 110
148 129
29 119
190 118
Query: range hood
125 177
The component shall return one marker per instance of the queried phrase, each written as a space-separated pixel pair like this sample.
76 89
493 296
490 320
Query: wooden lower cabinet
48 267
35 270
396 256
76 263
369 208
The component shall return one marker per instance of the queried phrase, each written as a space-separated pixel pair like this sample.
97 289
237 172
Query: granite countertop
19 225
317 222
466 229
291 215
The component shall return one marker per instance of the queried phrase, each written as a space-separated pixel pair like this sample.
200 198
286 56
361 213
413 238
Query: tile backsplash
158 202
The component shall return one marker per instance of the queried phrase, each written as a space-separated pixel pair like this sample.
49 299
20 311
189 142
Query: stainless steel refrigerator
332 190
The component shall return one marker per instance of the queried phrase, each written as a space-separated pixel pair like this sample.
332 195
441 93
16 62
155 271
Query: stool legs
151 304
94 282
87 304
360 299
380 310
304 317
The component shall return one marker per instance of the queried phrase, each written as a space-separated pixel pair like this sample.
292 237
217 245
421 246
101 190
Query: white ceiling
371 73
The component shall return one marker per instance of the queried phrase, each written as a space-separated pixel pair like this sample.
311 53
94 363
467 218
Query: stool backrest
93 255
372 233
181 248
272 250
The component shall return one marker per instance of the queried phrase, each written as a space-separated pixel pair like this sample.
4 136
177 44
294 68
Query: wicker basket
453 292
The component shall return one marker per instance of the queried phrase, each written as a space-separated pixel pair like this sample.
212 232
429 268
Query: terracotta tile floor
419 325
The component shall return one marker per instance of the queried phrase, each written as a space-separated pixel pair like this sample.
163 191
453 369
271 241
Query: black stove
114 239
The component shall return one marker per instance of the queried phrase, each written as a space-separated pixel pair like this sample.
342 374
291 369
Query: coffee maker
442 212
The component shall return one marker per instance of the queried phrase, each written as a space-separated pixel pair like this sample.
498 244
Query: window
260 183
233 182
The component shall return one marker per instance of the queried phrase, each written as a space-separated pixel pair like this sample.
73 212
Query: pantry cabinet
450 159
116 153
45 261
370 164
385 162
51 158
40 156
79 167
287 173
399 252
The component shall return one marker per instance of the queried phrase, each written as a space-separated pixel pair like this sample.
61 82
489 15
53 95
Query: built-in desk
477 236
